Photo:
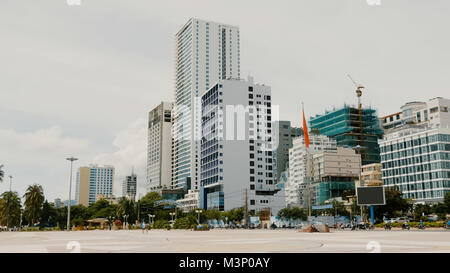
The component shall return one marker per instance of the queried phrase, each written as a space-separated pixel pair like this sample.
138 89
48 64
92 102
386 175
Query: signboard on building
329 206
371 196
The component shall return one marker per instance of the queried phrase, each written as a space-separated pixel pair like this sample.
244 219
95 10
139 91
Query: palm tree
14 210
34 199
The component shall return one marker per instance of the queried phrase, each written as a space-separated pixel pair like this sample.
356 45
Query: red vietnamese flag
305 130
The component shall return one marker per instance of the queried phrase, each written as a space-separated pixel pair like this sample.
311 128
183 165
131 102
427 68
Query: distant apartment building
159 148
334 171
300 167
349 130
236 146
433 114
129 186
58 204
416 160
190 201
65 203
283 134
92 181
205 53
371 175
113 200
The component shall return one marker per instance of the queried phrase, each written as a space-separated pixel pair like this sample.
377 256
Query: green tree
395 205
146 205
235 215
421 209
48 214
34 199
186 222
441 210
79 213
151 197
14 209
447 201
161 224
293 213
127 207
102 209
94 208
61 217
212 214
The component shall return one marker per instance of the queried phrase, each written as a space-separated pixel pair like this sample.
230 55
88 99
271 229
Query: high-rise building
236 146
159 149
300 169
92 181
434 113
350 129
416 160
129 186
283 134
205 53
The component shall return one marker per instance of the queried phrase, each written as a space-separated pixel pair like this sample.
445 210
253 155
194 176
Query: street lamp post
172 214
198 212
9 202
125 223
150 219
71 159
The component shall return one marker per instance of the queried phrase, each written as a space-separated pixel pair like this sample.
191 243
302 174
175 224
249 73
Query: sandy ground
225 241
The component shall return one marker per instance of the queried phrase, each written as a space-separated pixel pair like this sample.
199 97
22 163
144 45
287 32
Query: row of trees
396 206
37 210
28 214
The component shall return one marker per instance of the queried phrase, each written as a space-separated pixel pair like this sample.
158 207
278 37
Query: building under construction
350 127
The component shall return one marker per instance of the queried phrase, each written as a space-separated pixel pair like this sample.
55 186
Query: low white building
434 113
190 201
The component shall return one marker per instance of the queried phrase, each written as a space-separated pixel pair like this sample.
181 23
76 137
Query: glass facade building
93 181
417 162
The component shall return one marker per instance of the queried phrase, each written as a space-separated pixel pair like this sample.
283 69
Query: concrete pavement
225 241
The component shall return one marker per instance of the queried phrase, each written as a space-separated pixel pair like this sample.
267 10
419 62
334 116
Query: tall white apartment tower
206 52
236 149
159 150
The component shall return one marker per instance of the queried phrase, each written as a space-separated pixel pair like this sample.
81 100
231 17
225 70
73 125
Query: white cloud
130 153
46 141
39 157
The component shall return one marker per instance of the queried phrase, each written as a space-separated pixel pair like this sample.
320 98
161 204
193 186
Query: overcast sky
80 80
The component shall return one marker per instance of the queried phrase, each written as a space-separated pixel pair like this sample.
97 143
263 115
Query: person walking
143 227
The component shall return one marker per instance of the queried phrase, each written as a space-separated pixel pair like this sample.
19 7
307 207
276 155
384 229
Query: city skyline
40 113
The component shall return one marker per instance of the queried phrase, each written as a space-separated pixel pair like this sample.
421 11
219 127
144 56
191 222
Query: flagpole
308 160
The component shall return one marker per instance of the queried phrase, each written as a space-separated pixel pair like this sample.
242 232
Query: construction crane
359 88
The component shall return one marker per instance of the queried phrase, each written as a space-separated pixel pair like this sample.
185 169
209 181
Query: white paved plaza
225 241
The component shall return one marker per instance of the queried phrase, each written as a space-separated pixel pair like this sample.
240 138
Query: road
228 241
